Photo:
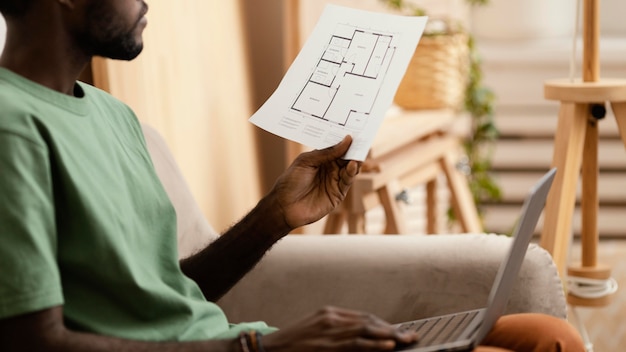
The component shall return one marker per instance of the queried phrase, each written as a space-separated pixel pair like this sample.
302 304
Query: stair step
516 72
537 154
540 122
515 186
501 218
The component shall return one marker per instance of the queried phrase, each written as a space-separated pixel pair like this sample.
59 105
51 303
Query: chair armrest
193 230
398 278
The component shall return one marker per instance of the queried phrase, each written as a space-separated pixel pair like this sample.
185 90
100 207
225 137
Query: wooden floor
606 325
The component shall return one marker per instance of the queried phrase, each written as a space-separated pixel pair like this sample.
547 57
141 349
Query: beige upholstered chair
396 277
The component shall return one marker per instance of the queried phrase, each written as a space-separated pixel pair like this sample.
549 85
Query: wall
3 30
541 19
263 21
311 9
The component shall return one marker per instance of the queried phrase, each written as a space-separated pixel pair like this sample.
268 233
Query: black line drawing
344 84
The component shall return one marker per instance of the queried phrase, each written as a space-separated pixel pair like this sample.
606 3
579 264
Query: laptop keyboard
440 330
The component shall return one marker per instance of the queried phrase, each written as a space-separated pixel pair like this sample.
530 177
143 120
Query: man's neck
46 58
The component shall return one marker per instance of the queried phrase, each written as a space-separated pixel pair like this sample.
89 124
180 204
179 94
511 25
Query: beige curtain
191 83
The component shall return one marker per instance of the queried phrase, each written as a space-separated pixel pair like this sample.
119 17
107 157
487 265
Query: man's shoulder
11 101
16 111
102 97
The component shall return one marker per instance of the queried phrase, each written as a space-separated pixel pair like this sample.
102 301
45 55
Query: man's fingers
350 324
336 151
353 168
339 329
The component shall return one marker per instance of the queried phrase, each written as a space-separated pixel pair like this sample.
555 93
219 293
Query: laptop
465 330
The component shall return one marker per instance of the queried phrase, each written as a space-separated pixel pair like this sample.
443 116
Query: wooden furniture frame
411 148
576 150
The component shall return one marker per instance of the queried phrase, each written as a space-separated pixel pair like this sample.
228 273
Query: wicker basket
437 74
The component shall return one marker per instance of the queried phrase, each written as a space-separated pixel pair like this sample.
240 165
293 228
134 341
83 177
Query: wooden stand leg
619 110
589 199
589 267
567 158
572 135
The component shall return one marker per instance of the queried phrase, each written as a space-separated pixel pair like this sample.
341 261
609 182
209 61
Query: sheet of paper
343 80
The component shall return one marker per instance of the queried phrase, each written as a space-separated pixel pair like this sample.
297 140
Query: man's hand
335 329
314 184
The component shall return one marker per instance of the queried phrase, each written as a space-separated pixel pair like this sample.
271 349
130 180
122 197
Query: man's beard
104 38
123 47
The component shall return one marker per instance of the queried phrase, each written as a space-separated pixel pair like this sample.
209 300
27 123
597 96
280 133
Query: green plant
480 143
478 103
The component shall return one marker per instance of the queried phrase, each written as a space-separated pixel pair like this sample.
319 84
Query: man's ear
68 3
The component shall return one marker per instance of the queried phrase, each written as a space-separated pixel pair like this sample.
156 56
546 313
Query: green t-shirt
85 222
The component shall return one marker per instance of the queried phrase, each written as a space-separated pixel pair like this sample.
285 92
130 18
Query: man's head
108 28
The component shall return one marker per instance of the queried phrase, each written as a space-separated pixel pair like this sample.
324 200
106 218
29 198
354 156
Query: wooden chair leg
393 213
334 221
356 223
432 224
461 196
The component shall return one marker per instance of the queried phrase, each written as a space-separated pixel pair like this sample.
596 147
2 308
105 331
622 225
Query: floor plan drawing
343 80
349 74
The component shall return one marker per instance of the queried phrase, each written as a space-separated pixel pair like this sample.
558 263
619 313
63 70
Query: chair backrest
193 230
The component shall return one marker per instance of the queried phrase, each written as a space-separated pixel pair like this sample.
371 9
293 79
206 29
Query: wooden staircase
527 123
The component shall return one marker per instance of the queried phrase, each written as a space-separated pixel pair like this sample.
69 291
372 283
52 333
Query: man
88 237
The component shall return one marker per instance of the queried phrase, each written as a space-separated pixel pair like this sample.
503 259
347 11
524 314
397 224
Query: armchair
398 278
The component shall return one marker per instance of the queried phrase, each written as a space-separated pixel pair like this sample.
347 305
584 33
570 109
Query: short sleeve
29 274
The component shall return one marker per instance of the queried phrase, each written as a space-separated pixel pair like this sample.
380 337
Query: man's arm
330 329
44 331
224 262
309 189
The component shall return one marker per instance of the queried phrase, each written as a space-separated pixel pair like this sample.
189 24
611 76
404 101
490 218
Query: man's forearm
44 331
224 262
71 341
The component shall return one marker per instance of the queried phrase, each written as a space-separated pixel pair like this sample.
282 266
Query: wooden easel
576 148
